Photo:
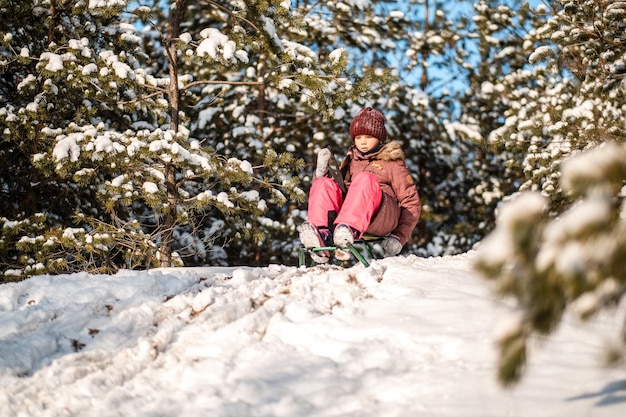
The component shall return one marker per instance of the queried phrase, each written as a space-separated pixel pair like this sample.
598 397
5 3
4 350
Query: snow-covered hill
406 337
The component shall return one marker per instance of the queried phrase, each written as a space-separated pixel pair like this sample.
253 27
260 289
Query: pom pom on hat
369 121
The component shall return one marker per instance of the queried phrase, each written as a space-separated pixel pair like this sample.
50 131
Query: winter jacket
401 207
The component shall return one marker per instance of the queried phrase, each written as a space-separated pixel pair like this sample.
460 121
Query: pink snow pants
362 201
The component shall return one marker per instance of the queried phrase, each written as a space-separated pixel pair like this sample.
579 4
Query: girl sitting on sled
381 197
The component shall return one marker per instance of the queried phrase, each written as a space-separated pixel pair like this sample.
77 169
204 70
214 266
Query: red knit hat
369 121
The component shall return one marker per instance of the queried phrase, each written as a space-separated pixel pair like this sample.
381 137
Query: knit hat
369 121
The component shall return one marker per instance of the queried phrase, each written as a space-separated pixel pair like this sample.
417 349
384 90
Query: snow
407 336
223 198
90 69
93 4
119 180
520 209
336 55
246 167
216 42
285 83
55 62
594 166
67 147
270 29
150 187
539 54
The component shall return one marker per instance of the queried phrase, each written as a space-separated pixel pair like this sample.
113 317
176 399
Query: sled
366 241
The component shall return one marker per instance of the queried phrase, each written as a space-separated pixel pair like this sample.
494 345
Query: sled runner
366 241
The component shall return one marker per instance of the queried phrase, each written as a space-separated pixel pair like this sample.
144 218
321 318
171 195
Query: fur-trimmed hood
391 151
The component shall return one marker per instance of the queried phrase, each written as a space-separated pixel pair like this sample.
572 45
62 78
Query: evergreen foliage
190 131
560 247
103 122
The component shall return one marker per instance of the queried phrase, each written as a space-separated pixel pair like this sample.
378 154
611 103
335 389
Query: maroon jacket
401 207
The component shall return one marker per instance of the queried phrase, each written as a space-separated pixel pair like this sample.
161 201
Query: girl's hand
323 157
392 246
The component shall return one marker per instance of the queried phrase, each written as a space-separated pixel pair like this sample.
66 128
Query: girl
381 197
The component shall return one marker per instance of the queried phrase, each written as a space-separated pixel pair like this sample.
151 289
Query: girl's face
365 143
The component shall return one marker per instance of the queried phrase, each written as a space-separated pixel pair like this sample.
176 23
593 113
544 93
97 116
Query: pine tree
299 114
503 37
440 146
107 111
396 45
270 116
458 178
41 96
561 247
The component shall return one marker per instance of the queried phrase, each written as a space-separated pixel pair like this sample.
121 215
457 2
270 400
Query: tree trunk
425 51
169 220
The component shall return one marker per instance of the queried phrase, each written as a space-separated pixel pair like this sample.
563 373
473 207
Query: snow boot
344 238
312 237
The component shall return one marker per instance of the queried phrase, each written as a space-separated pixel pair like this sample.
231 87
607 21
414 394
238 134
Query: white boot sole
343 236
310 239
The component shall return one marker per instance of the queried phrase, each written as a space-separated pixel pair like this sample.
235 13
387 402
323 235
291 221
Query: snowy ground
406 337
